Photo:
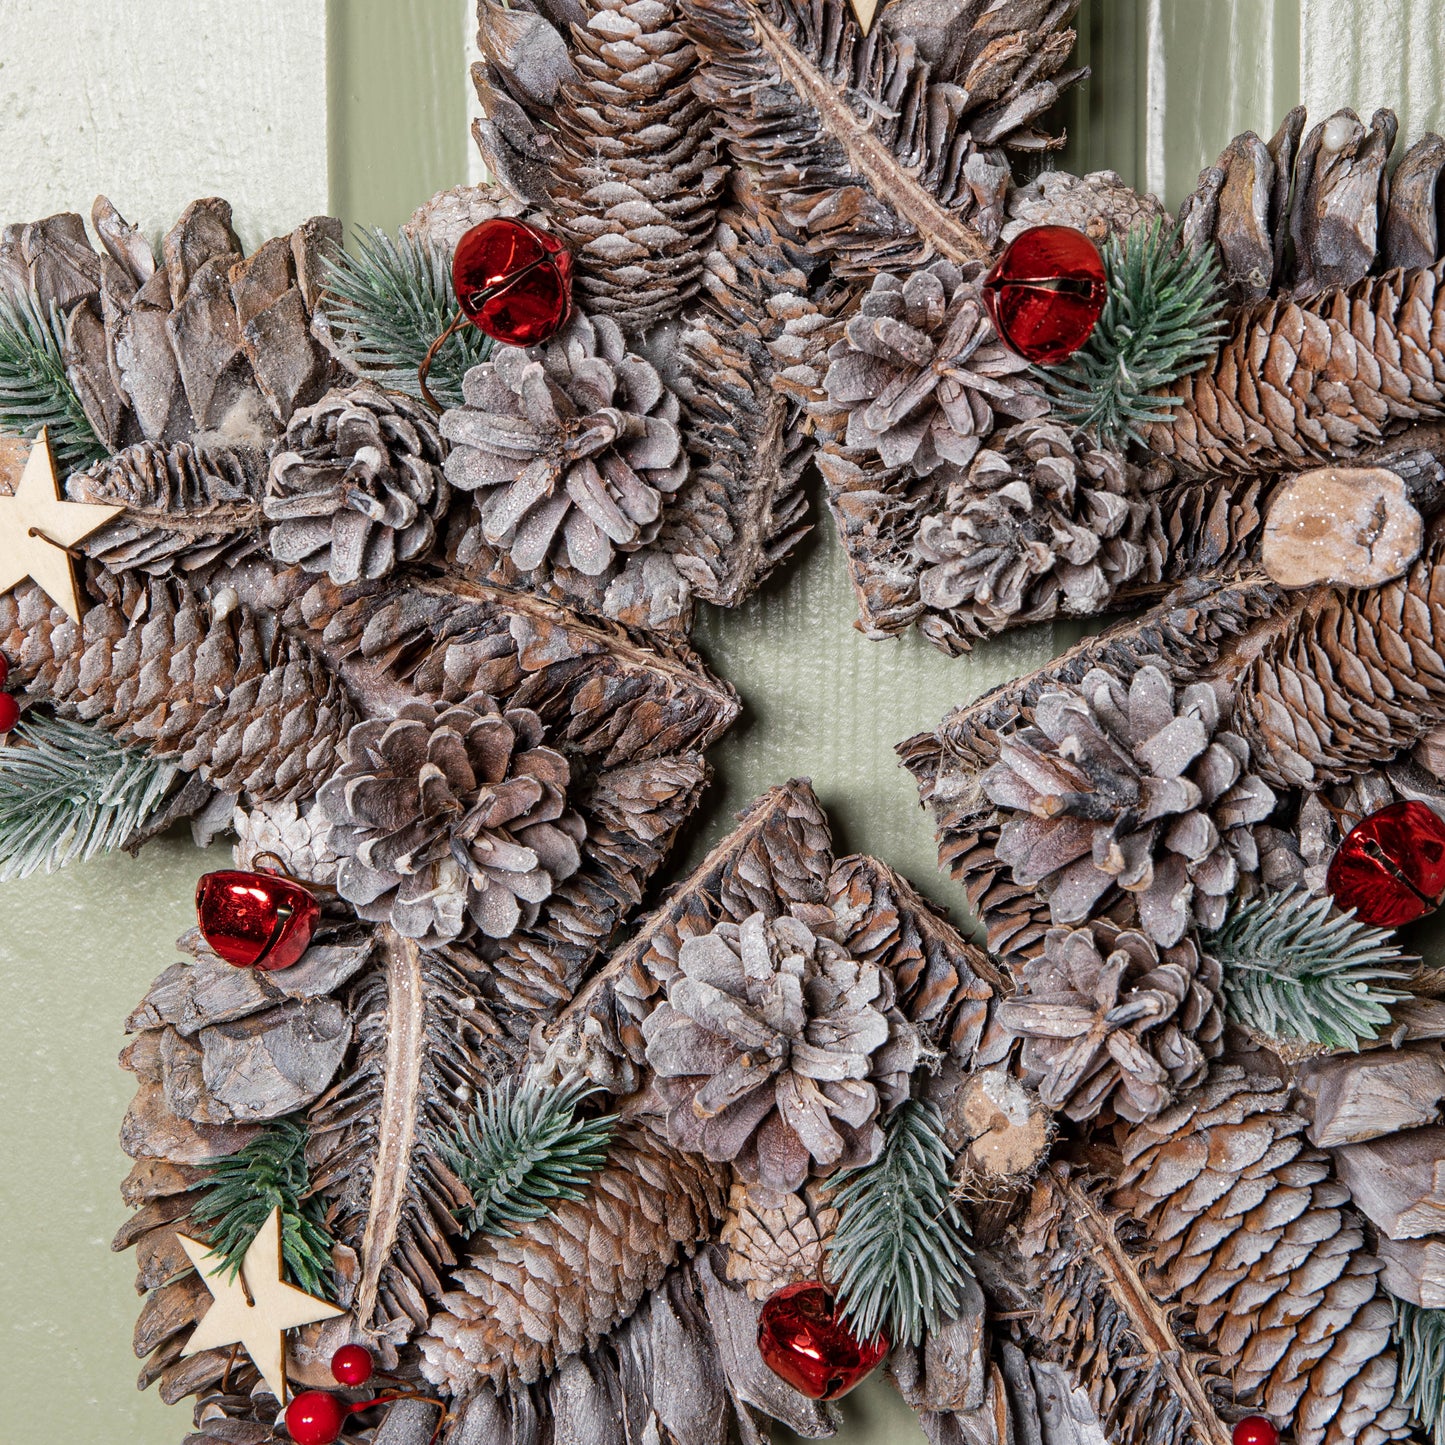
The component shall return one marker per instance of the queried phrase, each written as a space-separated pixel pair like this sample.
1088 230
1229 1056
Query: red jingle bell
315 1418
1255 1430
9 712
1391 867
256 920
352 1365
805 1344
1046 293
513 281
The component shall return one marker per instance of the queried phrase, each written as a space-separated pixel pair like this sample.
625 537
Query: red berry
1255 1430
513 281
315 1418
1391 867
1046 292
256 920
9 712
352 1365
4 669
805 1344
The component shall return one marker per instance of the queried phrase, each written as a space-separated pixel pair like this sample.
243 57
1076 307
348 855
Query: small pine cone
1047 523
187 507
1129 787
636 178
563 1281
299 836
450 814
1110 1021
775 1239
776 1051
1302 383
1253 1241
356 485
921 372
1350 680
1100 204
193 680
572 448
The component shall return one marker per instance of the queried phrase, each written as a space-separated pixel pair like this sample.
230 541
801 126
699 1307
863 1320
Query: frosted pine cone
446 815
1047 523
1109 1020
922 373
298 835
777 1051
356 486
1129 787
572 447
1100 204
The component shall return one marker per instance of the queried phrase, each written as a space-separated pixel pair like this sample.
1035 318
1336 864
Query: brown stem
44 536
424 370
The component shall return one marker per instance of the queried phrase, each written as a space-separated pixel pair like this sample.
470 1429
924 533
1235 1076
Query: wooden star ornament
256 1307
864 12
37 526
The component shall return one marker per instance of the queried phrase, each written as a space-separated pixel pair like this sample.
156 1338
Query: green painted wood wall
1173 80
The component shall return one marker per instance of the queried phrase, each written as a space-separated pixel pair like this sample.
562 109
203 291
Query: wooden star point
36 526
864 12
259 1322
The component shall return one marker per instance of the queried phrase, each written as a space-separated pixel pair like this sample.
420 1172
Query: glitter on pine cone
1391 866
256 920
513 281
805 1343
1046 293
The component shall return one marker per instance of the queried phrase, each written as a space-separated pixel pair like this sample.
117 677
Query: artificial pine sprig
1162 319
524 1148
390 300
1420 1334
1291 971
898 1257
69 791
34 389
240 1191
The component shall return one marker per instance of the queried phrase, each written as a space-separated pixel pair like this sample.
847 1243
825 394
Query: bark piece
1354 1097
1341 526
1398 1182
1412 219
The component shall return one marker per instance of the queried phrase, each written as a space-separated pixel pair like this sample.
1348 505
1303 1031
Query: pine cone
449 813
1256 1245
1351 679
194 680
572 448
774 1239
356 486
636 178
299 836
776 1052
1110 1021
1100 204
187 508
1047 523
1303 383
1130 788
561 1282
922 373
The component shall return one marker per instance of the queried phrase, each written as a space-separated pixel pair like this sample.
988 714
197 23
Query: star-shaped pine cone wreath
551 1116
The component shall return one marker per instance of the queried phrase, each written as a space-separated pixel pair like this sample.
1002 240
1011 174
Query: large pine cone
1254 1241
1110 1021
1130 788
636 178
776 1051
357 487
447 814
572 448
558 1284
1302 383
922 374
1047 523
